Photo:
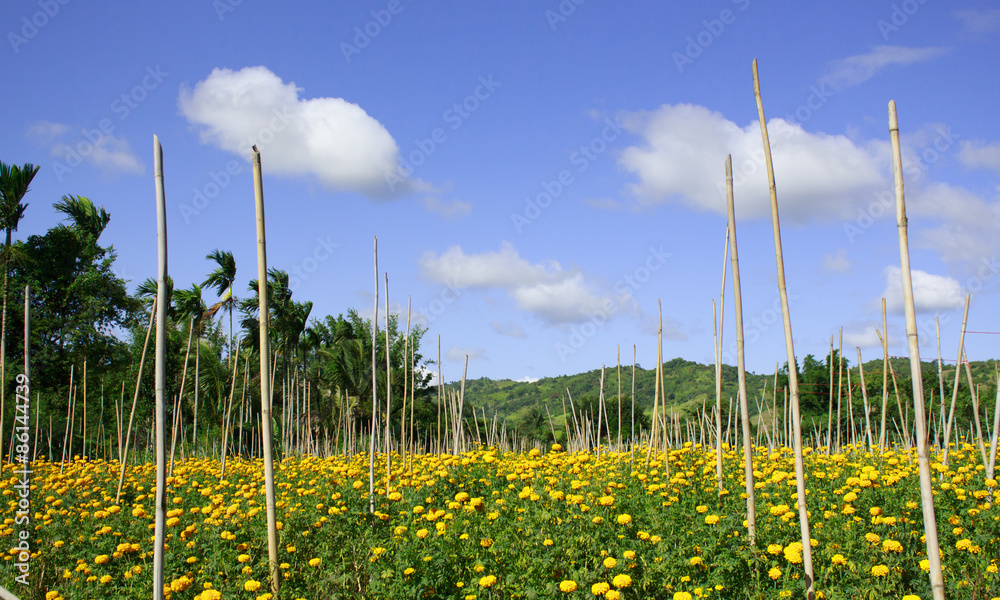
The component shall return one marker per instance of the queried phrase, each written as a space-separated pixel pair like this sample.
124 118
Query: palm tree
14 182
222 279
89 220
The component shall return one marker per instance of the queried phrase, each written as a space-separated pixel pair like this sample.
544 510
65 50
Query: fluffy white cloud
682 159
931 293
329 138
548 291
855 70
527 379
860 337
981 155
962 224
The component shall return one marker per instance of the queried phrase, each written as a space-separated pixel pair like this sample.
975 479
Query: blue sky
539 174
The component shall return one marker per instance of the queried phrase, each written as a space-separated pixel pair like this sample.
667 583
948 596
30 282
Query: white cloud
548 291
449 210
818 176
963 224
979 21
931 293
837 261
855 70
508 328
110 154
329 138
46 132
864 337
980 155
527 379
457 354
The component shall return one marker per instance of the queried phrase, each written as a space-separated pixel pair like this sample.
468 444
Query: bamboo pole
975 410
864 397
374 425
229 410
994 437
161 372
718 366
829 410
793 377
440 387
135 399
937 327
954 392
265 374
884 338
741 360
923 464
388 391
461 407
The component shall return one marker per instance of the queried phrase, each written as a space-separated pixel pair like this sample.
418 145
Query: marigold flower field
488 525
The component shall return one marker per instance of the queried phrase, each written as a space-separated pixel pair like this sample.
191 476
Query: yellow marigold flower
407 571
775 548
251 585
105 578
101 559
567 586
487 581
51 595
701 509
711 519
209 595
422 533
606 500
243 558
850 497
621 581
315 562
682 596
624 519
963 544
180 584
695 561
547 543
911 597
612 595
872 538
891 546
628 555
610 562
880 570
774 573
290 548
598 589
838 559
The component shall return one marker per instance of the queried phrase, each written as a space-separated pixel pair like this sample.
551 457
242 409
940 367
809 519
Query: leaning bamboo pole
135 399
793 376
923 464
265 375
740 359
954 392
994 437
161 372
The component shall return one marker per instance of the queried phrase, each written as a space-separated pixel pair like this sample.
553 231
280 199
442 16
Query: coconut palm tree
89 220
14 182
222 279
190 305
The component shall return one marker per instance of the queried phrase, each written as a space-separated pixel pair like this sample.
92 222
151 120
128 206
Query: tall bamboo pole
374 425
718 366
937 330
975 409
923 464
793 376
884 338
161 371
229 410
388 391
864 397
440 388
265 374
740 359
